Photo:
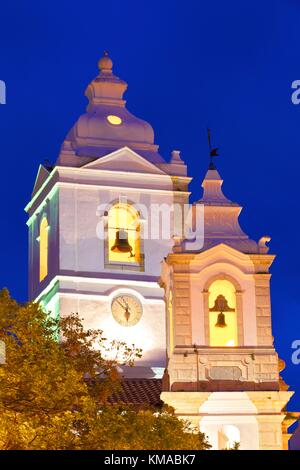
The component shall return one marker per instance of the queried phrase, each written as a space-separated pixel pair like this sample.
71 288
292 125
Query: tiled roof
138 392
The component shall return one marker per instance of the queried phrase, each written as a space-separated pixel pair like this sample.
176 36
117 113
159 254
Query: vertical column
240 319
263 310
206 316
270 432
181 310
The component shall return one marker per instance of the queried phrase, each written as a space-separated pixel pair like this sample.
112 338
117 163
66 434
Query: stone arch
133 260
222 276
239 305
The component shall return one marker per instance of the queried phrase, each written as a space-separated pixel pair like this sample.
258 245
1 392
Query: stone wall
263 310
208 368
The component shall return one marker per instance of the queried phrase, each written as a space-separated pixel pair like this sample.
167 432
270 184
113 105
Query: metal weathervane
213 151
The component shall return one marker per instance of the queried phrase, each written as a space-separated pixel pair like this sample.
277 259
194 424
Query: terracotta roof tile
139 392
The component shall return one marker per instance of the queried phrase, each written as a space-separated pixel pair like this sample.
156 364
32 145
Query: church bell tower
91 216
198 308
223 371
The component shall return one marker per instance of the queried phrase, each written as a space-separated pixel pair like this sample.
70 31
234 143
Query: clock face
126 309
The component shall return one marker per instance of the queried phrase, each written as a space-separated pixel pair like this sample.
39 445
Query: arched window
124 241
223 329
43 248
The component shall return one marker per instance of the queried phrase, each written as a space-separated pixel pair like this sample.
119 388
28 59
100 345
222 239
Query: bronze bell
221 305
221 321
121 244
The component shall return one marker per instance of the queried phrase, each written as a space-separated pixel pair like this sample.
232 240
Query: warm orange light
223 336
115 120
124 217
43 248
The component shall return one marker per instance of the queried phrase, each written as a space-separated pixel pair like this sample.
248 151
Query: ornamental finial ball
105 63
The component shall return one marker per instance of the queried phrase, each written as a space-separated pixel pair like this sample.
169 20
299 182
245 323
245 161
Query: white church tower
92 249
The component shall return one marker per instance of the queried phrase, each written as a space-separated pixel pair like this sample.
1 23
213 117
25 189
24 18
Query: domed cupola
108 125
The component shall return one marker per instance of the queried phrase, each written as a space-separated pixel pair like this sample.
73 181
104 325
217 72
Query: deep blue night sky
190 65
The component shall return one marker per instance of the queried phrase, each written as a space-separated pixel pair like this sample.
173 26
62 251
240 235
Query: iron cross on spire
213 151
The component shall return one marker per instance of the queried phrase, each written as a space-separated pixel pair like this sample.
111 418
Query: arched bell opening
123 241
223 327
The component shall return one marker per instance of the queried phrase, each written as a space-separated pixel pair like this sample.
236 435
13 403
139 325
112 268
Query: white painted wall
77 253
80 248
92 300
230 409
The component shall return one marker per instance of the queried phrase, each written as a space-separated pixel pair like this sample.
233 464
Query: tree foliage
54 394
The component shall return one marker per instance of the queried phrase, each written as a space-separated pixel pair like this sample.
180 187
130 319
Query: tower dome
107 124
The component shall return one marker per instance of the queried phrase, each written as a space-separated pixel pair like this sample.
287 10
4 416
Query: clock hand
127 306
127 314
127 310
122 305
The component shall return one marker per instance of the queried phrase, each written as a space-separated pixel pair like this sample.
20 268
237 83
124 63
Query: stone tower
91 249
223 370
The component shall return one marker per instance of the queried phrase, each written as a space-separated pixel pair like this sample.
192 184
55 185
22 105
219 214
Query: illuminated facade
201 313
90 220
223 370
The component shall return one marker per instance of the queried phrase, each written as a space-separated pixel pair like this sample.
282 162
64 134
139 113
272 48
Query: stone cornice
76 177
262 260
198 257
259 261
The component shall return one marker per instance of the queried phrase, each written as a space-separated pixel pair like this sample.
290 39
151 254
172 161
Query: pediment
126 160
225 252
220 254
41 177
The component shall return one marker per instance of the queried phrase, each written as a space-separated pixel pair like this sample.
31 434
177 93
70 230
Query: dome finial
105 63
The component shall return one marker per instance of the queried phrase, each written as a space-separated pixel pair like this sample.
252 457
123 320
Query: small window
115 120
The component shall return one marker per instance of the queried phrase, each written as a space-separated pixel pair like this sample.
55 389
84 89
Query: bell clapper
132 255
